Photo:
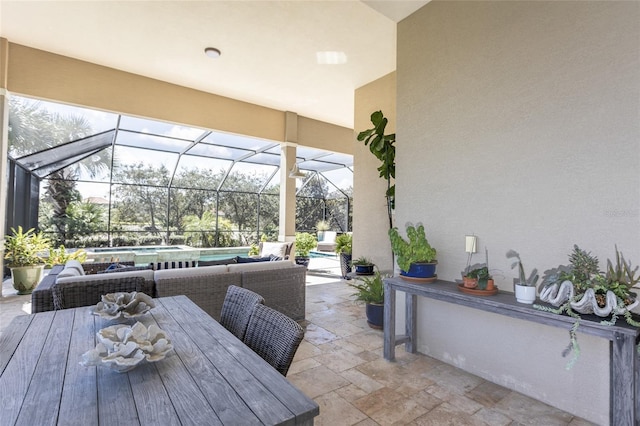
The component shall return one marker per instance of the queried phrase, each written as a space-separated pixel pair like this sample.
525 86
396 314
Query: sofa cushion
217 262
125 268
241 259
257 266
175 264
68 272
75 265
189 272
146 274
275 249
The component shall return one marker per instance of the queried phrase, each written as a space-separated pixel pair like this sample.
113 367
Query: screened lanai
91 178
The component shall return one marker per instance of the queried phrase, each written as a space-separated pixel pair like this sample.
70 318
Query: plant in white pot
525 288
22 251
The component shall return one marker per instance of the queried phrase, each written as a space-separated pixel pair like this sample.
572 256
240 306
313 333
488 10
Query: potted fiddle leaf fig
22 251
415 256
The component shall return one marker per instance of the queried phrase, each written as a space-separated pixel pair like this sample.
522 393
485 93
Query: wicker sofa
281 283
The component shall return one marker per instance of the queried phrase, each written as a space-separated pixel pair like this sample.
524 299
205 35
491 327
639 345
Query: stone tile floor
340 365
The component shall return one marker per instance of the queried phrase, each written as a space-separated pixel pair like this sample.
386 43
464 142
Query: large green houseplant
383 147
22 251
415 256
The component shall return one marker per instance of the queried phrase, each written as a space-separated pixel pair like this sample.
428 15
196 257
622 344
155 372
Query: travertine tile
318 335
303 365
446 415
528 411
340 360
488 394
362 380
335 410
317 381
387 406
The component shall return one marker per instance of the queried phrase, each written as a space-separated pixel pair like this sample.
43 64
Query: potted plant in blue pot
363 266
415 256
370 291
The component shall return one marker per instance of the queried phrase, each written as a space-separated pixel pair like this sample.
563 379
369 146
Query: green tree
142 197
33 128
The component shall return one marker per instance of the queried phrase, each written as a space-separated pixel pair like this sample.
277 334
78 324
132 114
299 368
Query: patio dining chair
86 293
237 308
274 336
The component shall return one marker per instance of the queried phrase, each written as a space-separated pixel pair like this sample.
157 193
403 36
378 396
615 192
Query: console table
622 337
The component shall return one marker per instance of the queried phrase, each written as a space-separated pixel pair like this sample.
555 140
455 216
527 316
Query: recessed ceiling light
212 52
331 58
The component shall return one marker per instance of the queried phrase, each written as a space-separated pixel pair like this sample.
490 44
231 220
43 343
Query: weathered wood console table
622 337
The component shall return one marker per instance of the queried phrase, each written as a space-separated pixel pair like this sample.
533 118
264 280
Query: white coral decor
123 305
587 304
123 347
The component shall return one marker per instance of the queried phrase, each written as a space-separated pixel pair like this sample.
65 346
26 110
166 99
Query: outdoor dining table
209 378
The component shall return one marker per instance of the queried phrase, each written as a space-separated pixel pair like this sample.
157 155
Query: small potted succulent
23 253
478 277
370 291
363 266
415 256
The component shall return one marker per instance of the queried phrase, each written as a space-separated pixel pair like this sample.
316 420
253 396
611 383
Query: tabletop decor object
116 306
122 348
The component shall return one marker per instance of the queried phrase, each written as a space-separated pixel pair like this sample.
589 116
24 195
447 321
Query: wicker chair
237 308
274 336
76 294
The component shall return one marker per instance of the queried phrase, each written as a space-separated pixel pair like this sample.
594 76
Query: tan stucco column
4 140
287 224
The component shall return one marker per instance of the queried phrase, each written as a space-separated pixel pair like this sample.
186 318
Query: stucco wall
519 122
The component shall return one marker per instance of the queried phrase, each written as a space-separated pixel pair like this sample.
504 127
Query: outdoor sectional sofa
280 282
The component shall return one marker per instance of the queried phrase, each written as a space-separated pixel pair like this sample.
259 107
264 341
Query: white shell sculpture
116 306
588 304
123 347
557 294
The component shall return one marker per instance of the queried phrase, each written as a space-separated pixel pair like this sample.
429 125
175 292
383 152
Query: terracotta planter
470 282
490 285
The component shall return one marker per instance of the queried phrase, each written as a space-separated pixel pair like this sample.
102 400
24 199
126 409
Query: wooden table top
210 378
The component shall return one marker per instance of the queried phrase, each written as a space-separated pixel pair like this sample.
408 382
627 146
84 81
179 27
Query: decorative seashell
588 304
557 294
123 347
114 306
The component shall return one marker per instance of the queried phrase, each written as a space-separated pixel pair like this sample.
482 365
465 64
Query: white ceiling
268 47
